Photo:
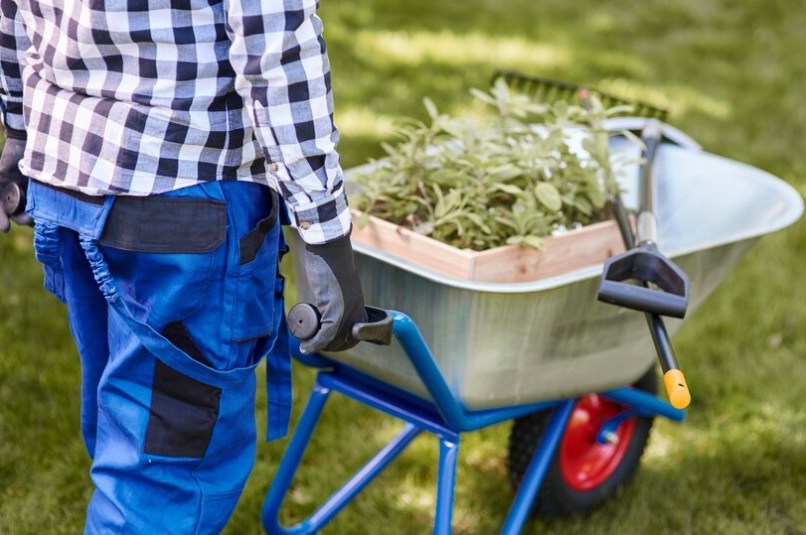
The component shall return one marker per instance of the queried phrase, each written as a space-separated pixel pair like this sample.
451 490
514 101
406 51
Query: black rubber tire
555 498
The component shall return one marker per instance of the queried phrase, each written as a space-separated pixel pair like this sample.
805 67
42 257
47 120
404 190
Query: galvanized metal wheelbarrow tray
466 355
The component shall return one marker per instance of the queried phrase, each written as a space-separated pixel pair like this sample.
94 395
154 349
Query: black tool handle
643 299
663 287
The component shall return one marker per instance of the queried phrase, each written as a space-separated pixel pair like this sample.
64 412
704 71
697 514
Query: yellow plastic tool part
676 387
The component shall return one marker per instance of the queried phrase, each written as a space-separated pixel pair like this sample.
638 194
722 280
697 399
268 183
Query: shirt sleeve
13 43
282 73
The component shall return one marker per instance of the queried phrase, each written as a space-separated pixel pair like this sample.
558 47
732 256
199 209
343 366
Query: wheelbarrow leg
290 461
446 479
293 456
525 497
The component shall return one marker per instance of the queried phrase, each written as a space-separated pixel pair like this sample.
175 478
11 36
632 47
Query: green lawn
732 75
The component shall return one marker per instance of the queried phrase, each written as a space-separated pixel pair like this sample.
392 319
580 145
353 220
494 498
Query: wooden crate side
415 248
575 249
566 252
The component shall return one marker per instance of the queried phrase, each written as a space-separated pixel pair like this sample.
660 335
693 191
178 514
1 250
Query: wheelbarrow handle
304 321
13 199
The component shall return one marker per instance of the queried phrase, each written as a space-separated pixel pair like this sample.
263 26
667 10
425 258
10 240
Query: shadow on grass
744 469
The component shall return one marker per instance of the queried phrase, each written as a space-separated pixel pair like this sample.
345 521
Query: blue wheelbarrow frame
444 417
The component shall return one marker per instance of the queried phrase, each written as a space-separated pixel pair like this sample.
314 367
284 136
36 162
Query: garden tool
662 288
548 90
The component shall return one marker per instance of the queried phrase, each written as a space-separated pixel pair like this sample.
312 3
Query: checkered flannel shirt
140 97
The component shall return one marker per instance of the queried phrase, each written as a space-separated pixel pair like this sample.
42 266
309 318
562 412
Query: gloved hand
13 185
337 293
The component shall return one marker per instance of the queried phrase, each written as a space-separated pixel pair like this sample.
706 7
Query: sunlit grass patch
731 75
361 121
451 49
677 99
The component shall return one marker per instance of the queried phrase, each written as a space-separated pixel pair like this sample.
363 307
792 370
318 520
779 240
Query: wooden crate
566 252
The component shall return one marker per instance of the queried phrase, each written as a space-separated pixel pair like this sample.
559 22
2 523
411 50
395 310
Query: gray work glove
13 185
337 294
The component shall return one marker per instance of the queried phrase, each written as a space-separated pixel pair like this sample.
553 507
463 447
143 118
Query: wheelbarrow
576 375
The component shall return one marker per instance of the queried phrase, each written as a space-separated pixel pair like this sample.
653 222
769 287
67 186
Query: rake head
548 90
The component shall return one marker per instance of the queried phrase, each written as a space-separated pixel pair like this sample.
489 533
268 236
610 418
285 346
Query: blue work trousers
172 300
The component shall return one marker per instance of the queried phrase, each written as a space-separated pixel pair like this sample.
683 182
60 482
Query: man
162 140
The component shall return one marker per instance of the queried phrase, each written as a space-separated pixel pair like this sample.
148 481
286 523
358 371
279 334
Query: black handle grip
645 265
304 322
14 199
643 299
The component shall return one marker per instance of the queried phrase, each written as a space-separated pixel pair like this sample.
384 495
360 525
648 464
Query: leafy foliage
479 181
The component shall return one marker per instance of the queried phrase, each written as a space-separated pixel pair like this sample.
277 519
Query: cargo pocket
183 410
46 247
164 252
254 281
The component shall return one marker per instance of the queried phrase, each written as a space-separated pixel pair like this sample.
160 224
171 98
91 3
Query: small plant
485 180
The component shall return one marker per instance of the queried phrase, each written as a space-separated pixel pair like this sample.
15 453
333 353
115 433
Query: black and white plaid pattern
139 97
12 38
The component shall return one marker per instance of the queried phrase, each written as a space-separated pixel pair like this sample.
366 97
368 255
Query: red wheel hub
586 463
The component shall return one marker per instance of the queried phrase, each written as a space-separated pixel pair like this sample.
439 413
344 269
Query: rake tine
553 90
